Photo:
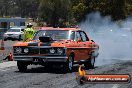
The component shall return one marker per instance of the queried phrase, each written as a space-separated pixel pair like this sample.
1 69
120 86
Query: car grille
33 50
10 34
44 50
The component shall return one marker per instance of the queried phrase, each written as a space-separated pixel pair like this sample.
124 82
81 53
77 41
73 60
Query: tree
23 8
27 8
58 12
79 11
52 11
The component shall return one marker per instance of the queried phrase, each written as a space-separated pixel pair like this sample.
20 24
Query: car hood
37 43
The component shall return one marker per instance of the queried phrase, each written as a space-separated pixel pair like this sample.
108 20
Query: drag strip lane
15 79
38 77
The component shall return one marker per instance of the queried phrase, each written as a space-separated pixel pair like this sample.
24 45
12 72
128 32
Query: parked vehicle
14 33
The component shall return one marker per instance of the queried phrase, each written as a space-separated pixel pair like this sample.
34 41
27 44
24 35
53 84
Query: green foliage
19 8
79 11
53 11
64 12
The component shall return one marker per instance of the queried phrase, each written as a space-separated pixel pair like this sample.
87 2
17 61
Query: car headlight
18 50
52 51
60 51
26 50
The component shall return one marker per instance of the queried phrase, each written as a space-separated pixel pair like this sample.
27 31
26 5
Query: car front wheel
68 66
22 66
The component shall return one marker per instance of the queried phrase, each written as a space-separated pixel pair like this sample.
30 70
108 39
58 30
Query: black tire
48 67
22 66
5 39
12 39
68 66
19 38
89 64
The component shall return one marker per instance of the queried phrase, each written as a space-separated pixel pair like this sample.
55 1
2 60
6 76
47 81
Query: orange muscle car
56 46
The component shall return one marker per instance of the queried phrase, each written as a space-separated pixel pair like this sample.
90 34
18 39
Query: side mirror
92 40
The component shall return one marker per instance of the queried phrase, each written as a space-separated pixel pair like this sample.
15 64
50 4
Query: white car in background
14 33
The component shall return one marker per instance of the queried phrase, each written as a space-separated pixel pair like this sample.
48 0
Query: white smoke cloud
114 38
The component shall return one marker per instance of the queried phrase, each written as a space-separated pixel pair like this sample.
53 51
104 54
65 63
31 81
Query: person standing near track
28 33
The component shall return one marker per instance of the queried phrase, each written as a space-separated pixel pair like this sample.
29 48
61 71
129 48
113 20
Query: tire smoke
114 38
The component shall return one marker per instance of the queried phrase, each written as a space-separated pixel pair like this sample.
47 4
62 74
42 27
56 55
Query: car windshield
14 30
54 34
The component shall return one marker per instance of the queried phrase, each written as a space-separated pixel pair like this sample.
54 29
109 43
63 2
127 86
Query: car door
77 49
86 45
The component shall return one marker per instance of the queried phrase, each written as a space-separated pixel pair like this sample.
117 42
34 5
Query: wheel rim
70 63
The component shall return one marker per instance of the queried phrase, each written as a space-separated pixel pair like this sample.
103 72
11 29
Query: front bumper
41 58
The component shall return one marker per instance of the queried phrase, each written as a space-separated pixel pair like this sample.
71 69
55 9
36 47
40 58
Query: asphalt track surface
7 49
40 77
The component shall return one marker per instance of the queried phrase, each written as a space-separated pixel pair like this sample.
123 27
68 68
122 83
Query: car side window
78 36
84 36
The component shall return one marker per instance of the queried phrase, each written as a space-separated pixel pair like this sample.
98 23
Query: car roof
51 28
73 29
16 27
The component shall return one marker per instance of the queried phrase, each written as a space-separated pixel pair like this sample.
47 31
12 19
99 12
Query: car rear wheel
68 66
89 64
22 66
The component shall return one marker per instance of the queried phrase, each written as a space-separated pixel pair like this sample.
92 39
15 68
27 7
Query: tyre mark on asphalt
67 80
22 80
39 78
